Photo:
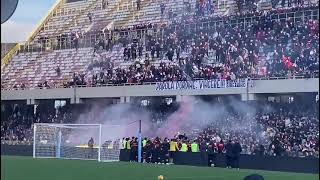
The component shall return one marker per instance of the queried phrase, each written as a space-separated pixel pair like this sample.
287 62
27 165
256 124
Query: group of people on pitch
153 151
162 151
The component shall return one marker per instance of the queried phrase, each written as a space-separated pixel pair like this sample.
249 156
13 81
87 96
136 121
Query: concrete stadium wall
285 86
17 150
255 87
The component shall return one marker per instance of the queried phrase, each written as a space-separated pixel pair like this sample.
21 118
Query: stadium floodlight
70 141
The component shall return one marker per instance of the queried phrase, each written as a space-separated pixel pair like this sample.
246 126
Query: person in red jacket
220 147
179 145
189 146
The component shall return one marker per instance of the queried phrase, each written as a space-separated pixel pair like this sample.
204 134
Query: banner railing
151 83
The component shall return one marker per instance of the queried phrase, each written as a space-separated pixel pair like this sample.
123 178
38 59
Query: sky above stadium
24 20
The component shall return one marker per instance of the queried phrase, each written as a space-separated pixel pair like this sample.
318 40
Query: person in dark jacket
170 54
261 150
164 151
134 149
155 151
153 50
229 148
236 150
91 150
138 5
134 53
148 150
140 49
211 154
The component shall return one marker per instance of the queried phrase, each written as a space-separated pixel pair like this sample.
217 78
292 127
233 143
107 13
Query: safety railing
314 75
6 47
300 15
89 39
5 60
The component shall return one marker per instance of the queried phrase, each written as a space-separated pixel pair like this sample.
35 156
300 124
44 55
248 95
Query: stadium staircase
133 14
74 21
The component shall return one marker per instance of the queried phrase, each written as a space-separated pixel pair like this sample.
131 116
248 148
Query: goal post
66 141
99 150
139 144
70 141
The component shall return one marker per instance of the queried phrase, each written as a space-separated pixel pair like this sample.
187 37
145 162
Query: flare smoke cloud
192 116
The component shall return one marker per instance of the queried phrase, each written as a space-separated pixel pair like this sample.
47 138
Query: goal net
70 141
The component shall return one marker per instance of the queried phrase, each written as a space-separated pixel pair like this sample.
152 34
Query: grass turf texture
27 168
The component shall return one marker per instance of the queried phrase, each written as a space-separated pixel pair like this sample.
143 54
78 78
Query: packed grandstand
287 129
116 44
111 43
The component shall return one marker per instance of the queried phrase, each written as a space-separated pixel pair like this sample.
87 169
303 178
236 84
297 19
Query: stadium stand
95 42
255 57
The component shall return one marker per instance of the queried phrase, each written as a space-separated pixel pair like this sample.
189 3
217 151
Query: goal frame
61 125
57 156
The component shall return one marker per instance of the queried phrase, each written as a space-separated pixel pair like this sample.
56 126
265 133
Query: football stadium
160 90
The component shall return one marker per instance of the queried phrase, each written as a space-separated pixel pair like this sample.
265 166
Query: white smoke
192 116
118 121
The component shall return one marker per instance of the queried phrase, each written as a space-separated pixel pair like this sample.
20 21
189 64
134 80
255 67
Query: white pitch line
189 177
196 177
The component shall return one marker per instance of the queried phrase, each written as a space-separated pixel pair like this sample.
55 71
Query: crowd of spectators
139 73
289 132
282 129
266 48
286 131
17 123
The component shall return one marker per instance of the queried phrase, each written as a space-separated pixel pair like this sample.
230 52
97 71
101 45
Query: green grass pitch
27 168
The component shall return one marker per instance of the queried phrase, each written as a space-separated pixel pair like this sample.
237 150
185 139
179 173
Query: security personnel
194 147
172 150
144 142
124 143
184 147
128 146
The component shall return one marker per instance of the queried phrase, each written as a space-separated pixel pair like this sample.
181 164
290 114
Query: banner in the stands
201 84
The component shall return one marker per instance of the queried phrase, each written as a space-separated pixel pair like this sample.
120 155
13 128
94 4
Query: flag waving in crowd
287 62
